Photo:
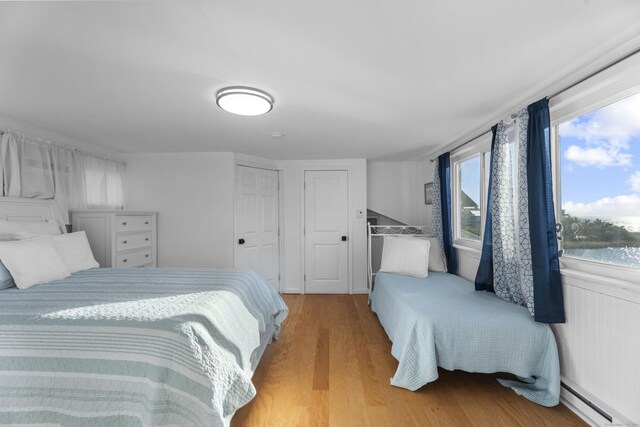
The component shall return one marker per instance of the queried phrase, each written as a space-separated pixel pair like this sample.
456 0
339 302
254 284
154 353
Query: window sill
475 249
617 282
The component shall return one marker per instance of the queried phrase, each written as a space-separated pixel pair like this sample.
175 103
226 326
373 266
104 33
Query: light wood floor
331 367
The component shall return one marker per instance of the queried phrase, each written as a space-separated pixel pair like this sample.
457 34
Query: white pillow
405 255
75 251
33 261
28 229
436 256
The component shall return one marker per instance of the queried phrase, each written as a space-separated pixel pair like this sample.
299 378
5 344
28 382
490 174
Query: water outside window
600 177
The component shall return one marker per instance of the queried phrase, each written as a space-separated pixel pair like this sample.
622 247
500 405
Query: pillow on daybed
75 251
28 229
33 261
436 256
405 255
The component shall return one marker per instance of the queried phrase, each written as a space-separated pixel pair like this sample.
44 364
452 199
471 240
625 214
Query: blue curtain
547 283
484 276
444 172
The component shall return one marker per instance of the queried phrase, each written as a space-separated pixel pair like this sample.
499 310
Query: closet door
326 232
256 222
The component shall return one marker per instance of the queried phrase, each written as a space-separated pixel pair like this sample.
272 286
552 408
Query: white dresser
119 239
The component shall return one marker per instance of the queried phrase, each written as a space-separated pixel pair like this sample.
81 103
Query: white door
326 232
256 222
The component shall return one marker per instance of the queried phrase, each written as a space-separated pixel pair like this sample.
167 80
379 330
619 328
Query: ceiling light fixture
245 101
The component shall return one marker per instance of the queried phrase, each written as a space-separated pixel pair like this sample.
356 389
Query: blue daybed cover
133 347
442 321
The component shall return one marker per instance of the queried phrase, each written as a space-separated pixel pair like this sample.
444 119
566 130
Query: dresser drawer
134 259
125 242
134 223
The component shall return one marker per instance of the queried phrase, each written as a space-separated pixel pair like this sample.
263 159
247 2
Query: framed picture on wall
428 193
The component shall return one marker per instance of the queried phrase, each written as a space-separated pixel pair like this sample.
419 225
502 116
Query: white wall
426 170
194 194
396 190
291 187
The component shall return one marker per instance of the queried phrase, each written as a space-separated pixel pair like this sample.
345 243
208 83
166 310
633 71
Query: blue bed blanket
130 347
442 321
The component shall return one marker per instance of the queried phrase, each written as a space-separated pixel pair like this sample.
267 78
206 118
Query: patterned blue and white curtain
441 214
436 208
512 277
512 247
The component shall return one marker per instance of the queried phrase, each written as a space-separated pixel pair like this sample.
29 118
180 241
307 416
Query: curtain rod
65 146
576 83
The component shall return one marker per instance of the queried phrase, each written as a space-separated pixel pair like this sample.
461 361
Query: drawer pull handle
124 242
146 239
147 255
124 223
146 223
124 260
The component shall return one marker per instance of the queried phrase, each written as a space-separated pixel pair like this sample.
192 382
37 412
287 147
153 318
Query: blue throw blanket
442 321
124 347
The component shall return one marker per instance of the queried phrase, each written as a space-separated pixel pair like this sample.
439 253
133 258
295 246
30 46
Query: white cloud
634 181
598 156
609 206
607 134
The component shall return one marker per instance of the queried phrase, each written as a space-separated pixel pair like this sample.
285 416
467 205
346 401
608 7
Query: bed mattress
124 347
442 321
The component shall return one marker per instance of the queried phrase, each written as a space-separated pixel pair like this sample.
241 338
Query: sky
470 178
600 161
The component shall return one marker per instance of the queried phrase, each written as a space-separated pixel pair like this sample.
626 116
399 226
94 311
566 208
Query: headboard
390 230
33 210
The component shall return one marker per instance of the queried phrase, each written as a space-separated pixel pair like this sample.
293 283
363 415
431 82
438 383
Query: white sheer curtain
27 167
69 179
32 167
105 182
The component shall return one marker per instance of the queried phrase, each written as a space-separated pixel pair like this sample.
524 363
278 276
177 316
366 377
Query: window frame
478 147
612 85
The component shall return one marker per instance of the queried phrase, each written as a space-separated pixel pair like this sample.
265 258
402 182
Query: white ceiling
351 78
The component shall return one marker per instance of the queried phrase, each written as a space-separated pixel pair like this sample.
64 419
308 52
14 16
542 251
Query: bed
441 321
126 347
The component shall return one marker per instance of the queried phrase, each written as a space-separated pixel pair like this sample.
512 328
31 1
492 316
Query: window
599 155
470 182
469 199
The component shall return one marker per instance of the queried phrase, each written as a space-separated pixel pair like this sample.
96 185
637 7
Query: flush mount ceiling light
245 101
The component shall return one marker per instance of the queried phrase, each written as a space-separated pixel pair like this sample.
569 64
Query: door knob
344 238
241 241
